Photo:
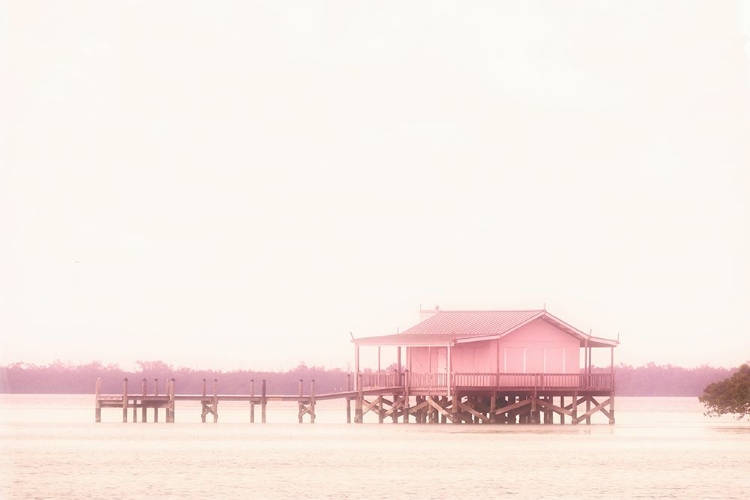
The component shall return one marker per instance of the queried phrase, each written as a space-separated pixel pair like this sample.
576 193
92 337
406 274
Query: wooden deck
504 398
448 383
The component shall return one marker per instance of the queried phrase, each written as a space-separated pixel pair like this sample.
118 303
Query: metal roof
456 326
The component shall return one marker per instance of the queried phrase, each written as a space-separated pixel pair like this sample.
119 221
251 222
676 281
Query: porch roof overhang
422 336
409 339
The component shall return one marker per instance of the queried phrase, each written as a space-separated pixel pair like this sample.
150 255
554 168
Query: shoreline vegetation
63 378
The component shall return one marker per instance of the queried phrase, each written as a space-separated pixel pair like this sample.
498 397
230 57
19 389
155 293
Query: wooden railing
371 380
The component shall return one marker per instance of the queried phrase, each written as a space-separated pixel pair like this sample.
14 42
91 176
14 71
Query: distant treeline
60 378
666 380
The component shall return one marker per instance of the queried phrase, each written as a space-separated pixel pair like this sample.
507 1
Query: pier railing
604 381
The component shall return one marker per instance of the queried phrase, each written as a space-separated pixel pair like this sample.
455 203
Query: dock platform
404 397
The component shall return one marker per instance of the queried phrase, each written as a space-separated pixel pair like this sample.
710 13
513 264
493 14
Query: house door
442 360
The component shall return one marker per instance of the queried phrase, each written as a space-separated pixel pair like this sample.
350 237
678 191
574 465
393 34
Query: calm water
660 448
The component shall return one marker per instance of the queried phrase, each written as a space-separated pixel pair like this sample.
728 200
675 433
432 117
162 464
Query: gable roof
466 326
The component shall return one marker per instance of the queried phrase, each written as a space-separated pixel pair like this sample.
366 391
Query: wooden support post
156 405
562 405
509 419
398 364
348 399
612 394
312 401
300 404
171 401
98 403
252 401
358 403
574 409
216 402
143 401
454 408
448 370
380 408
548 415
588 408
263 401
493 406
534 416
203 403
358 381
135 411
406 398
166 408
125 400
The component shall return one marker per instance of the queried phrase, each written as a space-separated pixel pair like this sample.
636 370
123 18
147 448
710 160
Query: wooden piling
454 407
216 402
588 408
348 400
358 403
300 404
547 411
98 403
252 403
312 401
156 393
406 397
203 403
263 401
143 401
125 400
171 401
562 405
493 405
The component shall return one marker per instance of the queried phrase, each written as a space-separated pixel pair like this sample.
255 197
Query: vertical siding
475 357
427 360
541 348
538 347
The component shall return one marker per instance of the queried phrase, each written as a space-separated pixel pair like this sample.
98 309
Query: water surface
659 448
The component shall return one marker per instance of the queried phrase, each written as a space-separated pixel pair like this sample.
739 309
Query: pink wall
475 357
426 359
538 347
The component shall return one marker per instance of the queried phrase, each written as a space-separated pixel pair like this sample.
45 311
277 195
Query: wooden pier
460 398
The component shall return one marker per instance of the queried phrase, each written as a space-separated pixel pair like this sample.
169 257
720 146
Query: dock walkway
460 398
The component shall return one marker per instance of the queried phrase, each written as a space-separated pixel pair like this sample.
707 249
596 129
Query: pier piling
263 401
125 400
312 401
348 400
98 408
144 418
252 401
156 393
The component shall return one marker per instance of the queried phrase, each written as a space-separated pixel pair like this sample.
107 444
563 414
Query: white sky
241 184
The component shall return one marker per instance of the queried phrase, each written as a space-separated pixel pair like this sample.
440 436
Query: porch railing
372 380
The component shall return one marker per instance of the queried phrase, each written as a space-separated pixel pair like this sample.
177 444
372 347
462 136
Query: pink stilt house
489 367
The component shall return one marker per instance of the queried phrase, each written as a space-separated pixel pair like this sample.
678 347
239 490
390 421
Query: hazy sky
241 184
